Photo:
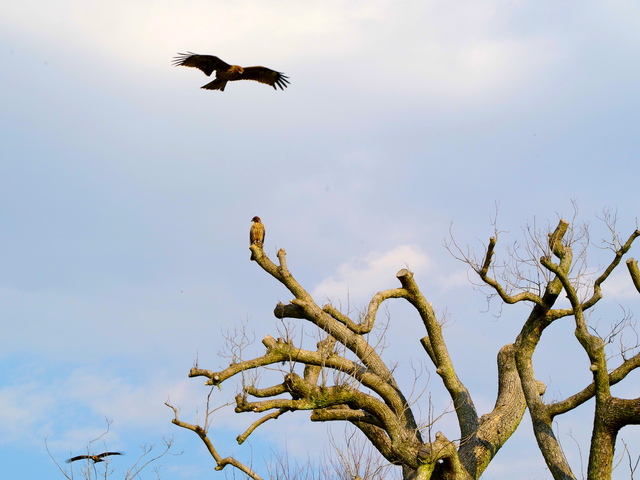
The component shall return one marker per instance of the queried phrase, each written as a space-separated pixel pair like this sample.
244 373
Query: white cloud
619 286
23 410
71 410
454 280
359 278
421 45
130 29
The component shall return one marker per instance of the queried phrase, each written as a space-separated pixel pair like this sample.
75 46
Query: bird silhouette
95 458
229 73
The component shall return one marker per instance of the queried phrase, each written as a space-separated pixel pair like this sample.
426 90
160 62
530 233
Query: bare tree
344 379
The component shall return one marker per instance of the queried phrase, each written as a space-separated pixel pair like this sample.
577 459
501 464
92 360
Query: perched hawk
256 234
95 458
228 73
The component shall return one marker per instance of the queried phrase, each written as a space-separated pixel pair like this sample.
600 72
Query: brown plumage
256 234
229 73
95 458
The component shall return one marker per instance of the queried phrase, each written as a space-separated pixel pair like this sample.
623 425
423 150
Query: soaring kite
256 234
95 458
229 73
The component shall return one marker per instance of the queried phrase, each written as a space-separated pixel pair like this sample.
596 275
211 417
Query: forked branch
221 462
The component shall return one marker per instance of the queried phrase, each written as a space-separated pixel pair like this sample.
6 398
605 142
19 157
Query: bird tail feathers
217 84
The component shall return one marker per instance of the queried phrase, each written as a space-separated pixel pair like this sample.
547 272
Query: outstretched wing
265 75
106 454
79 457
207 63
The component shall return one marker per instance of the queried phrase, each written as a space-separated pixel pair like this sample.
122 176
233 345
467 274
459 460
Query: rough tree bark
369 398
611 413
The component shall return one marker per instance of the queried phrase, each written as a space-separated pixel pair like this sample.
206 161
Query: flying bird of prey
229 73
256 234
95 458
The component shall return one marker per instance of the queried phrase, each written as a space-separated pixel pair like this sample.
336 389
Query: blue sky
126 194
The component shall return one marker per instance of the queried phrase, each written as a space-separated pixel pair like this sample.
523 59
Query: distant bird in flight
95 458
229 73
256 234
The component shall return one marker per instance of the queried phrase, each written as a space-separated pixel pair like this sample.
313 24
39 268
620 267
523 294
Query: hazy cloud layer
127 191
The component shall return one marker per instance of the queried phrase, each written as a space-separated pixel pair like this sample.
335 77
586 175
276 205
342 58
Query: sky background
126 194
